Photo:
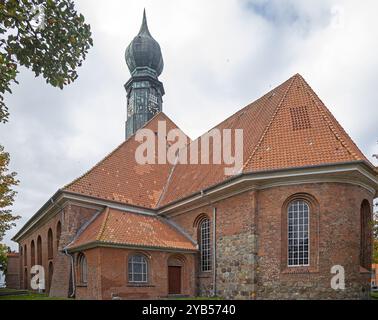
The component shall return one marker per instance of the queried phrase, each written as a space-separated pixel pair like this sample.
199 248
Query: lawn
374 295
197 298
28 296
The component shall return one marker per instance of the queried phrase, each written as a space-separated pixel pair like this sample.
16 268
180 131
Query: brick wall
334 240
251 246
108 275
251 243
12 278
71 219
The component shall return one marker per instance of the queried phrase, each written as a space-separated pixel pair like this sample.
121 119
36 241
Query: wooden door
174 280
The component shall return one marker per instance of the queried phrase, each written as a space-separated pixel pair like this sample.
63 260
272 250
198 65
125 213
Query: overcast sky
219 56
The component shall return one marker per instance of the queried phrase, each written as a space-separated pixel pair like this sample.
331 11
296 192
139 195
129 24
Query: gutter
257 175
102 244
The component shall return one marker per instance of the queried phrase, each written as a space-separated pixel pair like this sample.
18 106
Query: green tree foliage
375 234
7 195
49 37
3 258
375 223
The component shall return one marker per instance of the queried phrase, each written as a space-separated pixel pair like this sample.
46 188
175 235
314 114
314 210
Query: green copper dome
144 52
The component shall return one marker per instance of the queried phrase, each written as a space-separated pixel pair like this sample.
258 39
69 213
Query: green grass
199 298
8 290
29 296
374 295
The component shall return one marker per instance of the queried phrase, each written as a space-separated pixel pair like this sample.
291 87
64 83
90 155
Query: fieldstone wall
236 264
315 289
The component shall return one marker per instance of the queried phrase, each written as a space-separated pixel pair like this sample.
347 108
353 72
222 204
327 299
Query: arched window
205 247
32 253
50 249
25 255
138 269
365 235
298 233
58 234
39 251
82 269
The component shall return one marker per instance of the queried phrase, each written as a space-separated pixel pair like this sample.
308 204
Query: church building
298 209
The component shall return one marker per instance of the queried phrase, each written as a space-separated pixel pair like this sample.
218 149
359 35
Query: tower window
153 98
298 233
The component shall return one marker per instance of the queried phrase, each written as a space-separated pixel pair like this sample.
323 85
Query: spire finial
144 28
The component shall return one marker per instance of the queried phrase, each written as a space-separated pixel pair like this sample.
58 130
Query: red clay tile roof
124 228
303 132
286 128
120 178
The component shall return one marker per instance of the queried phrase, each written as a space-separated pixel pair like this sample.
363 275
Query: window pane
298 227
205 245
83 269
137 269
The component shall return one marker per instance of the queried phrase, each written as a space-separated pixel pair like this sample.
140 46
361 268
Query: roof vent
299 118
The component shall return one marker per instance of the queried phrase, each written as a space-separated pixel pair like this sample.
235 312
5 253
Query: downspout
214 252
73 273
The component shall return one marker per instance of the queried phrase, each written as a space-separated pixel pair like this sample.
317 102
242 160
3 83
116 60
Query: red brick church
300 205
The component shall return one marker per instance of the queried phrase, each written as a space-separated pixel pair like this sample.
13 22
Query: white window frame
144 266
205 246
297 202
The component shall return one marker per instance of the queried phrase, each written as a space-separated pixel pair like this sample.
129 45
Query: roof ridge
243 109
103 225
167 182
329 121
234 118
247 162
160 233
113 152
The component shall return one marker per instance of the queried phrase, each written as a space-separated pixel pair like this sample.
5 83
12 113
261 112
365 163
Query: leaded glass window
83 269
298 233
205 248
138 269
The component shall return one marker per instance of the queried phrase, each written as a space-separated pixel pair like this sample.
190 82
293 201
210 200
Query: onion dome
144 52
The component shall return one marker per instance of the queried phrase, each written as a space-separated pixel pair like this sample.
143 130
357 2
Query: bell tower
144 90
